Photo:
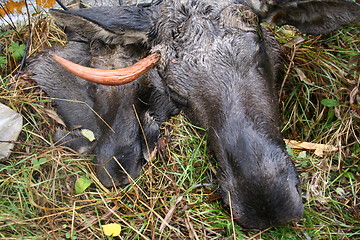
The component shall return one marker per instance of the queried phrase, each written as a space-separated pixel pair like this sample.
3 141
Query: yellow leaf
112 229
288 32
88 134
45 3
10 7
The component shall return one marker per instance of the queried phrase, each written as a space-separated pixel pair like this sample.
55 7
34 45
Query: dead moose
211 59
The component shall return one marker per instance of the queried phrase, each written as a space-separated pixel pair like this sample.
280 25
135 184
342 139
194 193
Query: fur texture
218 64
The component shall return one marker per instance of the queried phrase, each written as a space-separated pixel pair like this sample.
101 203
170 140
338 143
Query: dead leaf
152 155
53 115
294 41
45 3
169 214
354 59
319 148
88 134
10 7
302 76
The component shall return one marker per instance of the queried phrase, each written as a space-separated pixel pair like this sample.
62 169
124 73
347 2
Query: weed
50 192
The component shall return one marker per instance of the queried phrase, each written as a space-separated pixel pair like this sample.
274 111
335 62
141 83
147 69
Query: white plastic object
10 127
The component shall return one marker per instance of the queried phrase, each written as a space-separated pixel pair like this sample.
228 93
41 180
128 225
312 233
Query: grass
176 197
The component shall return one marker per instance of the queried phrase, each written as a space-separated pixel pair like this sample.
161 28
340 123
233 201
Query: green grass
38 198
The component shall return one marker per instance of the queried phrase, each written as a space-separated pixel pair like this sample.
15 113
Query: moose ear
111 24
309 16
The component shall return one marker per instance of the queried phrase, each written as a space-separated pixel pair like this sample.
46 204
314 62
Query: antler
110 77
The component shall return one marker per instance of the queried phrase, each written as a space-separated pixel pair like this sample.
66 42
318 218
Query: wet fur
218 65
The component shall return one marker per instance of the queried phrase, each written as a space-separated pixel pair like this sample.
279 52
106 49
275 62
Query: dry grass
176 196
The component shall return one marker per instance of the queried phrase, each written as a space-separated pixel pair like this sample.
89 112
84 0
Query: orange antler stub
110 77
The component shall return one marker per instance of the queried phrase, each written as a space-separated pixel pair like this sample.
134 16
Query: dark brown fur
218 64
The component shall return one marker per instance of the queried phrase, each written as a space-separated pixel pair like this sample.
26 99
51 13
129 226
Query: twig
61 5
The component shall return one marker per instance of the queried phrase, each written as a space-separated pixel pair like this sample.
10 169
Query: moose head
214 61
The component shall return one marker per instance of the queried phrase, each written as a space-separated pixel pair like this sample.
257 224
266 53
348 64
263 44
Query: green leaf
340 191
331 114
82 184
329 102
349 175
302 154
290 151
17 51
3 62
69 236
37 162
